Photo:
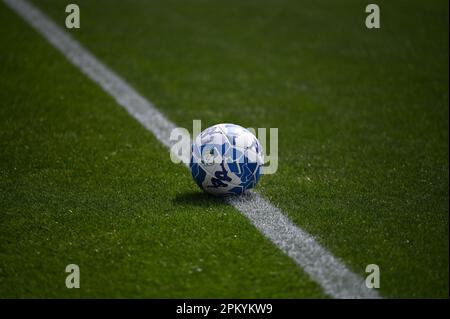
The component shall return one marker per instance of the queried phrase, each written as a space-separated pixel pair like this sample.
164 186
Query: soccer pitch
362 116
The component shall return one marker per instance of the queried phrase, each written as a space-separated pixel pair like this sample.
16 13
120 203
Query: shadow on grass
198 199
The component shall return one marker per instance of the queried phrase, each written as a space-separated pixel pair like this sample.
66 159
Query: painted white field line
331 273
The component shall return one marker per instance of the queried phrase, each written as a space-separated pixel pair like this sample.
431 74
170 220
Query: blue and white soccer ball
226 159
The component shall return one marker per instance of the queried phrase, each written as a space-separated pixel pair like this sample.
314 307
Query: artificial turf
82 182
363 132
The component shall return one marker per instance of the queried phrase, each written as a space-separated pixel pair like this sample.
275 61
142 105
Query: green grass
362 117
82 182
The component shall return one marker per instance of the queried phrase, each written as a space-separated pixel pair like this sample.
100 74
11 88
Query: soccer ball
226 159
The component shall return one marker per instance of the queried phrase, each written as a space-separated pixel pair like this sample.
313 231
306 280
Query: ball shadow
199 199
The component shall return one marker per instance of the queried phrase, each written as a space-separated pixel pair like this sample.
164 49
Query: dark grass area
362 117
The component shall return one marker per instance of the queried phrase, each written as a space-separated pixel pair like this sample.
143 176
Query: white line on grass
331 273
